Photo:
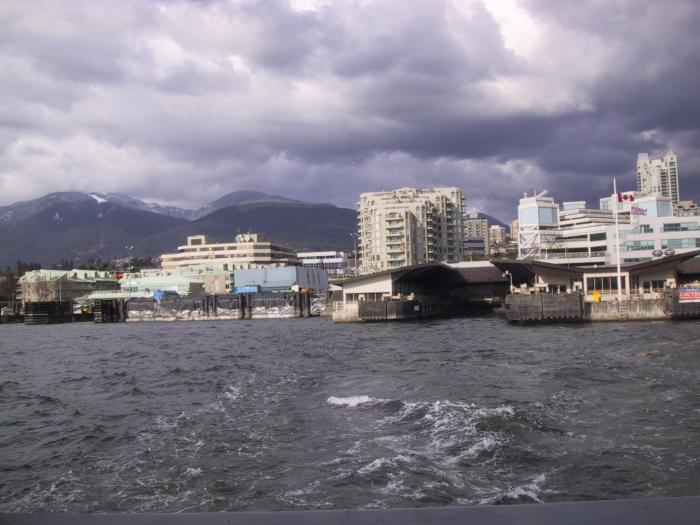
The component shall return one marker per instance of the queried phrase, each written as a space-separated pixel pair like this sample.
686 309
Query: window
654 286
604 285
598 236
547 216
632 246
527 216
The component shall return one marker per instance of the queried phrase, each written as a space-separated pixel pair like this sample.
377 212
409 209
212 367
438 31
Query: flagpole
617 244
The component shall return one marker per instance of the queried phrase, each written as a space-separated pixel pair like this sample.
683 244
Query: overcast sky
181 102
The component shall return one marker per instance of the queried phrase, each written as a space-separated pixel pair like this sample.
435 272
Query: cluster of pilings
110 311
223 306
48 312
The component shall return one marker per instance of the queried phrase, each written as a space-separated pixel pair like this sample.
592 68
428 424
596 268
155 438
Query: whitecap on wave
353 401
380 463
192 472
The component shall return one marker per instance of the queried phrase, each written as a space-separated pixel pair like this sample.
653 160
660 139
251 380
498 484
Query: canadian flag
622 197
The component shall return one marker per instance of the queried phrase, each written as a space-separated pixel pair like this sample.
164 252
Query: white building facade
335 263
410 226
248 250
538 222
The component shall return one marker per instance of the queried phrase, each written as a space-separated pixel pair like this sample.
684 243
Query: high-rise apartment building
497 235
658 176
476 235
410 226
476 227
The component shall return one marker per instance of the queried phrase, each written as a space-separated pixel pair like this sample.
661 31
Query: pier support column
241 306
249 306
306 304
297 304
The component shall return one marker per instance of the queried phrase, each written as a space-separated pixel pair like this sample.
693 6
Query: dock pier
572 307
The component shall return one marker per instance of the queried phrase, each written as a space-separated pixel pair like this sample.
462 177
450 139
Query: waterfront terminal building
410 226
572 233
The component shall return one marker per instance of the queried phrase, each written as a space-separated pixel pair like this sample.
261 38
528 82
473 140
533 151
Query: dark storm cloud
183 101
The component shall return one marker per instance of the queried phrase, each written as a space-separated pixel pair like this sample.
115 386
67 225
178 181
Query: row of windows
679 243
195 257
632 246
604 284
681 226
326 266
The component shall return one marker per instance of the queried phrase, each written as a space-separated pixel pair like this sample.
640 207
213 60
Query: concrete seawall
632 310
543 308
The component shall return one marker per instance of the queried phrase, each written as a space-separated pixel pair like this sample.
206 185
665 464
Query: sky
180 102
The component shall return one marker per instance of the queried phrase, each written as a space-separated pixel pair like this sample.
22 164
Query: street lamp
510 276
128 267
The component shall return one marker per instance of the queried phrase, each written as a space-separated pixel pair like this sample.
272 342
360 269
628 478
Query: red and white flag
634 210
622 197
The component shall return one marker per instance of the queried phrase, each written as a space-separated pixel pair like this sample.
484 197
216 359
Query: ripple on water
303 414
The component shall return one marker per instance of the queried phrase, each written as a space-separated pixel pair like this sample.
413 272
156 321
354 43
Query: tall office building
410 226
658 176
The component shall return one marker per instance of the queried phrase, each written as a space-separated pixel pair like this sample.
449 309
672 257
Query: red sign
689 295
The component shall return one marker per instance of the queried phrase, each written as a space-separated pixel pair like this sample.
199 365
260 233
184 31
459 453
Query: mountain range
84 226
92 226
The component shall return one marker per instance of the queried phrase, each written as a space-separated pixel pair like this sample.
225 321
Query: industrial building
410 226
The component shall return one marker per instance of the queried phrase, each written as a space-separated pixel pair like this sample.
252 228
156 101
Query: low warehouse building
282 279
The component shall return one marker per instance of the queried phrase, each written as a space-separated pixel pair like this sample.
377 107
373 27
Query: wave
353 401
381 463
527 493
191 472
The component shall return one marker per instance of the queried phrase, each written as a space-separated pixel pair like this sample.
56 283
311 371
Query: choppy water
303 414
